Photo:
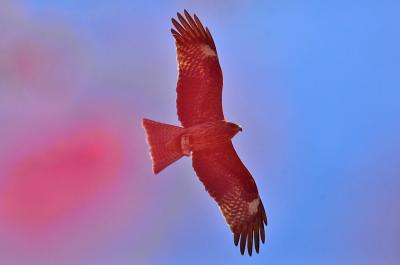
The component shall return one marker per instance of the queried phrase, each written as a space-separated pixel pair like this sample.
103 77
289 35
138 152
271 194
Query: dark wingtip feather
180 29
236 238
186 25
200 26
192 24
174 32
187 15
191 28
262 232
177 26
250 239
264 215
256 235
250 233
211 40
180 17
243 238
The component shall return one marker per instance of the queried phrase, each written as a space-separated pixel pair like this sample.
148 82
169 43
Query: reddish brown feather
193 30
199 86
264 215
200 26
181 30
250 230
236 238
243 238
186 26
256 235
158 135
230 184
176 34
193 24
210 39
262 232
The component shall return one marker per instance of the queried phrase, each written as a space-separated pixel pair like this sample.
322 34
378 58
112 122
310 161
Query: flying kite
206 135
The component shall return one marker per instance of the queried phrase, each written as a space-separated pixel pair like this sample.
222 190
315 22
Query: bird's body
206 136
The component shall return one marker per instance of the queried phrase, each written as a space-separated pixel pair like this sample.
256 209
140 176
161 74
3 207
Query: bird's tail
163 142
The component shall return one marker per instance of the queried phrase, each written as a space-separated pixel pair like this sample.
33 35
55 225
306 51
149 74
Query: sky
313 84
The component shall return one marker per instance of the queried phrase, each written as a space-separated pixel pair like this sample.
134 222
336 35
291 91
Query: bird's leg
185 145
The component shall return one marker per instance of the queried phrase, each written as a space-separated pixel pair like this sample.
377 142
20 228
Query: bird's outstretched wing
199 87
229 182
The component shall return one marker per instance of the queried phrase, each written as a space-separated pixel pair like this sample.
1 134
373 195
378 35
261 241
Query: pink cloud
48 183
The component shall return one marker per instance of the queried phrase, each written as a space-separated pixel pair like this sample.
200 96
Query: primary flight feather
206 136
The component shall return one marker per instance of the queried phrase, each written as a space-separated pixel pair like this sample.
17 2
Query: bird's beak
240 129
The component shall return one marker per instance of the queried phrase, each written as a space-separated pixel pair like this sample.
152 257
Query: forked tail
163 143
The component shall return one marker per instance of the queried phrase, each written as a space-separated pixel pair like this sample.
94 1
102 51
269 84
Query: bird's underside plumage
199 103
199 86
229 182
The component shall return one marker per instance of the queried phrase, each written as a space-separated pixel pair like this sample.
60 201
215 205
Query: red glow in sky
58 178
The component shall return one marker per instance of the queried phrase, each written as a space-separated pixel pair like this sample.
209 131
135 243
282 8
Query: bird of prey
206 135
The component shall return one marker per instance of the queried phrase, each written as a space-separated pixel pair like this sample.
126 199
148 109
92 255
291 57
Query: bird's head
233 128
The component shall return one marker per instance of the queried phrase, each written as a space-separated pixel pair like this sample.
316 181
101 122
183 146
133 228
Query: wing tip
191 28
236 238
250 233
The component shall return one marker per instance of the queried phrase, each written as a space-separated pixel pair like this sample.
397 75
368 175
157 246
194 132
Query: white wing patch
253 206
207 51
